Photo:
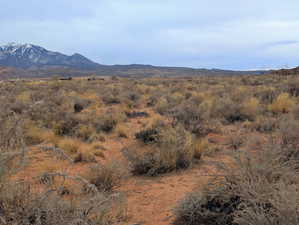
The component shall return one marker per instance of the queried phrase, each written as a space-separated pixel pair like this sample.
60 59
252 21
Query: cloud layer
229 34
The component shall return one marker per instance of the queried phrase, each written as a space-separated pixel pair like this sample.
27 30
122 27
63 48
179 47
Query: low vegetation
60 141
259 189
168 149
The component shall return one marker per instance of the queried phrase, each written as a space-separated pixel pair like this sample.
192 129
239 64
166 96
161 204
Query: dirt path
151 200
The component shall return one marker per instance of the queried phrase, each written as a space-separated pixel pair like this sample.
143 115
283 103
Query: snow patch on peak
16 48
17 45
28 46
13 44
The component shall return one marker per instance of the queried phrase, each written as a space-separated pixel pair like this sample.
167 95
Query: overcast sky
228 34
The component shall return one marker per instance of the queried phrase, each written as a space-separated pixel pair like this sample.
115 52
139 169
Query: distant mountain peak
33 56
13 44
77 55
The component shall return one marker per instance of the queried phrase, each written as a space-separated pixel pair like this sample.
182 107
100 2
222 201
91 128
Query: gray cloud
228 34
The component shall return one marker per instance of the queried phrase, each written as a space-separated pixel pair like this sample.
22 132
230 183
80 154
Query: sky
225 34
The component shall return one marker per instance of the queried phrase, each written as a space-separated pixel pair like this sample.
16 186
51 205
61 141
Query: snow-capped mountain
32 56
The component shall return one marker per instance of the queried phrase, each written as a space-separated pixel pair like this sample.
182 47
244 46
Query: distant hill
34 61
9 72
286 72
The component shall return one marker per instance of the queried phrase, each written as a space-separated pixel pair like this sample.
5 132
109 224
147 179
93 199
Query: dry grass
253 190
171 149
70 145
202 147
173 119
283 104
106 177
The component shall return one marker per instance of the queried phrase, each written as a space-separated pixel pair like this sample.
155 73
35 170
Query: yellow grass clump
282 104
251 107
24 96
203 147
36 135
122 131
70 145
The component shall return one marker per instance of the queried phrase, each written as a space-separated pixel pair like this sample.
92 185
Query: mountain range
28 60
28 56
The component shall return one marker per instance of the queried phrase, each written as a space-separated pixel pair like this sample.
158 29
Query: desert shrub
33 135
251 108
69 145
163 106
106 177
148 136
152 101
111 99
266 96
11 132
65 125
84 157
50 137
280 209
18 107
196 99
295 112
106 123
206 209
282 104
172 150
235 139
86 132
289 131
50 111
80 104
292 88
176 98
191 117
135 114
202 147
44 113
20 205
122 131
132 98
254 190
239 94
12 143
264 124
204 128
228 110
